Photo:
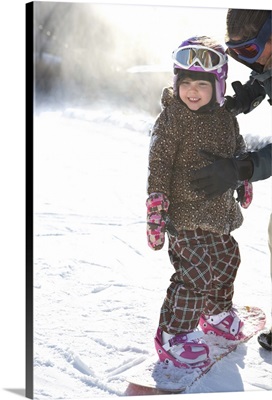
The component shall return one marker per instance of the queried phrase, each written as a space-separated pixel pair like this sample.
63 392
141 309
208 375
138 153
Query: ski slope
98 287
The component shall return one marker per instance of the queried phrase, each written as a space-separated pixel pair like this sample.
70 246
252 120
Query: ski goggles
209 59
251 50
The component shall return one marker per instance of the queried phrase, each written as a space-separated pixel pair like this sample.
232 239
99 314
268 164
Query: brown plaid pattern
205 269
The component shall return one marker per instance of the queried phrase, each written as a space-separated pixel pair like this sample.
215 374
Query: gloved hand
157 203
223 174
245 194
238 103
247 97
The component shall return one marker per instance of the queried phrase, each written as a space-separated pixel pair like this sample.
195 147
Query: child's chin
194 106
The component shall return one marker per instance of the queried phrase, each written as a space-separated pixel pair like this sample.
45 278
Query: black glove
221 175
247 97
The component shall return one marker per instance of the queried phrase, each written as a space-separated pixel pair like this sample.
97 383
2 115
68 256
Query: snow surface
98 287
12 203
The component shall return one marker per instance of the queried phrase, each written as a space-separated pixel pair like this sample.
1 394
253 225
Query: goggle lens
248 51
207 58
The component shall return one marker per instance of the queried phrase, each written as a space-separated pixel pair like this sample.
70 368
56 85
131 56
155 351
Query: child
204 254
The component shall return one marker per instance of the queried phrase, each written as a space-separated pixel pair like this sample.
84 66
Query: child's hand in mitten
156 203
245 194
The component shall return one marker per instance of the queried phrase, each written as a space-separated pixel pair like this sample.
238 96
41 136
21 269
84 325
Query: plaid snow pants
205 269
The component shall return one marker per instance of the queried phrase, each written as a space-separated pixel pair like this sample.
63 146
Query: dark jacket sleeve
262 163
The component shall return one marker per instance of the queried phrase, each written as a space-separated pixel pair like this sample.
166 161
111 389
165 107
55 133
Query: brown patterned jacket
177 136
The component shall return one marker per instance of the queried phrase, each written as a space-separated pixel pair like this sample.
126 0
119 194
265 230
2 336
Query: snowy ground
98 288
13 240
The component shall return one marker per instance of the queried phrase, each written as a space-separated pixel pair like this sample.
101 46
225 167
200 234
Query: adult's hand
223 174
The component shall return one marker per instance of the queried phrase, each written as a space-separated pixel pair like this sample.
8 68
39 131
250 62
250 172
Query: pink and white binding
186 350
226 324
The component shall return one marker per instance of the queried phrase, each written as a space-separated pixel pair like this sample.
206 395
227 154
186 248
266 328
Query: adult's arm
226 173
262 163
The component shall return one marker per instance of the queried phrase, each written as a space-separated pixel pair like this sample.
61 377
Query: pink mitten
245 194
156 203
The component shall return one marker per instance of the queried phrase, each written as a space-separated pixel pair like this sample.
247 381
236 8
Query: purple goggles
251 50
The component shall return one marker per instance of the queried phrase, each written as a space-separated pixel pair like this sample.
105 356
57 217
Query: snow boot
226 324
264 340
184 350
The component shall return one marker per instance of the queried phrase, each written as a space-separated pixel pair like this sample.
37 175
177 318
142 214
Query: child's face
195 94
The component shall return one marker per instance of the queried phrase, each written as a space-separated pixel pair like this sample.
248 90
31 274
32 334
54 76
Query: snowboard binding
226 324
185 350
